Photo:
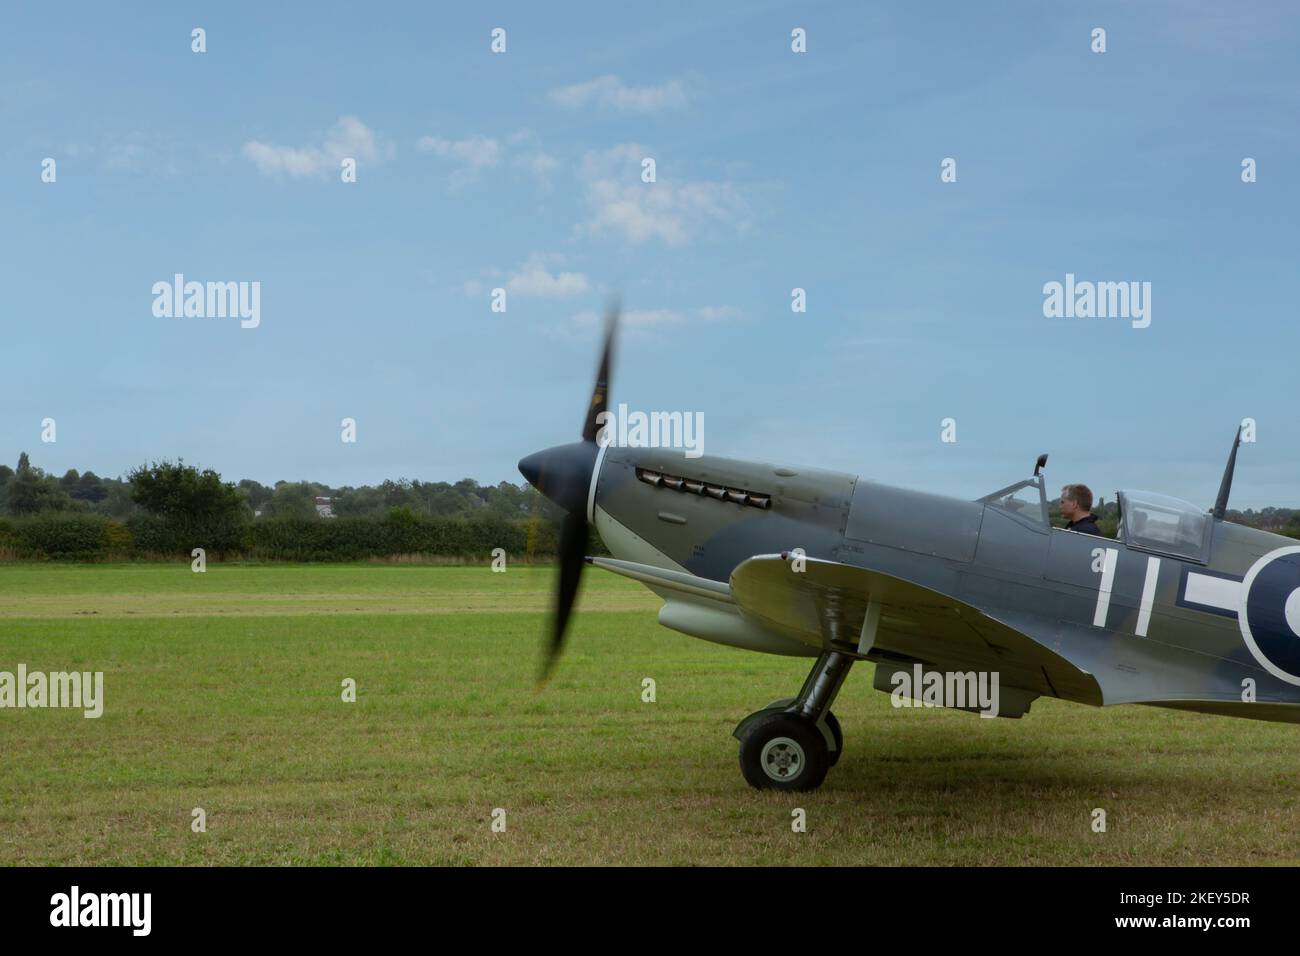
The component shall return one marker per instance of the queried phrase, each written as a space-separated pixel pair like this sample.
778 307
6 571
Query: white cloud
670 210
611 92
529 157
533 278
539 164
348 139
473 153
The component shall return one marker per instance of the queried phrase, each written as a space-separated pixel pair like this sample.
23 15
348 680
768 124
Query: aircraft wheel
833 723
783 752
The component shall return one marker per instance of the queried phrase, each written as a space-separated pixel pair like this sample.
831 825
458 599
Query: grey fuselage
1145 625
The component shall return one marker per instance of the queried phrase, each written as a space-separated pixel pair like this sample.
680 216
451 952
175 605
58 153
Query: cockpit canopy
1149 521
1158 522
1026 501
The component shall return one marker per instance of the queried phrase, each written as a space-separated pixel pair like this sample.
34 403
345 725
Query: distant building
324 507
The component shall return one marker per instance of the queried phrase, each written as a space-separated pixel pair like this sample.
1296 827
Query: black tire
833 723
783 752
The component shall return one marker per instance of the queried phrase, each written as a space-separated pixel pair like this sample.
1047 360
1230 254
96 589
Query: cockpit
1155 522
1148 521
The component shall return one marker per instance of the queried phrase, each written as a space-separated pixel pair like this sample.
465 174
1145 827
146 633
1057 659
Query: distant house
324 507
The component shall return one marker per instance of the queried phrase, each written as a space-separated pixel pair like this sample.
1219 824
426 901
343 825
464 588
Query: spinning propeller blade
564 474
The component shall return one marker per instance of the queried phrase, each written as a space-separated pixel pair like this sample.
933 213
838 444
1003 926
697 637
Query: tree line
168 508
29 490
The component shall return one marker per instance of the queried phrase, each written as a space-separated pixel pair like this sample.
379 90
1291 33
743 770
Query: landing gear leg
790 744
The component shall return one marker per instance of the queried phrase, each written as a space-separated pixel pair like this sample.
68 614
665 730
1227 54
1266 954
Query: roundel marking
1293 611
1269 613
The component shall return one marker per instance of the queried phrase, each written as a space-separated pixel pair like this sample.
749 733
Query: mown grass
223 691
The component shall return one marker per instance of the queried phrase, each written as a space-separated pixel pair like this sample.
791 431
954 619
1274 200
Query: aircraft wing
830 602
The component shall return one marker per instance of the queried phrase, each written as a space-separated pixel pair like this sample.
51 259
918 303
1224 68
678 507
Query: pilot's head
1076 501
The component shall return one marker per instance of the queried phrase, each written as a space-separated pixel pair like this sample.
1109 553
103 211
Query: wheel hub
782 759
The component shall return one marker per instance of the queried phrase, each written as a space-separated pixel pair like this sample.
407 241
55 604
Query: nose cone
562 474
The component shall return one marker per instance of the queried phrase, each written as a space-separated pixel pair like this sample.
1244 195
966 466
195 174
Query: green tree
293 499
180 491
256 493
117 501
31 491
6 473
358 502
90 488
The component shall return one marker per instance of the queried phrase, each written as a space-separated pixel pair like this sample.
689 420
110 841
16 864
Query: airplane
1183 609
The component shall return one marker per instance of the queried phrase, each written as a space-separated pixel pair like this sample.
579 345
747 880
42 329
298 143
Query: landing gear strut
791 743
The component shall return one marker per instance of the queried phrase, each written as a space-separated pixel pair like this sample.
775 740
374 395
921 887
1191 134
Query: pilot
1076 502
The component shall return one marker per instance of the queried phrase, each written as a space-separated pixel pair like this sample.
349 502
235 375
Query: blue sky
774 170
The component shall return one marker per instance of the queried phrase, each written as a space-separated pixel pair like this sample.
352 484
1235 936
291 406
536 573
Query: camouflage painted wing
782 611
827 604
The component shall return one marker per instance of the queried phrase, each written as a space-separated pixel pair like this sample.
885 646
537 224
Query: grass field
223 691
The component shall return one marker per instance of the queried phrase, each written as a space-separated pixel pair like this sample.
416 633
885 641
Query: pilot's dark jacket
1085 525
